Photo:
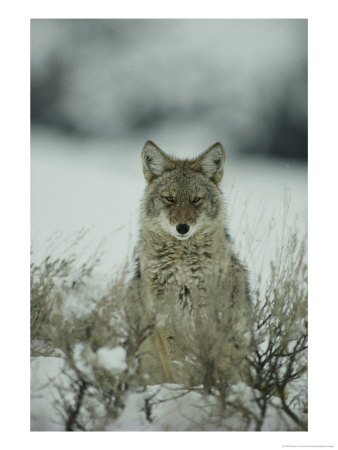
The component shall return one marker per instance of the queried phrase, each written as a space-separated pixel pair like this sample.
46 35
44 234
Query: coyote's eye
169 199
196 199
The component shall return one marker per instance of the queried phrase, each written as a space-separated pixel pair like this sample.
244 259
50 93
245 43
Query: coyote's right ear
211 162
155 161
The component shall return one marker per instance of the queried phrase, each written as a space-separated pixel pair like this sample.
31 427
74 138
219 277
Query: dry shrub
244 373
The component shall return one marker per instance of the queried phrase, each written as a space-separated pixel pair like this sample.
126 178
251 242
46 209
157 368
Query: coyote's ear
155 161
211 162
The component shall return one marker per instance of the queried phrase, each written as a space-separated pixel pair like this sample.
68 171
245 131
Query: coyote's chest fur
180 268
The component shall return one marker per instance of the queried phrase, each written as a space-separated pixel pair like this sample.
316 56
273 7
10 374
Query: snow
46 374
96 186
110 359
113 359
173 408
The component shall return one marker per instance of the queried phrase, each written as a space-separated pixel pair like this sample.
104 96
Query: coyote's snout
184 247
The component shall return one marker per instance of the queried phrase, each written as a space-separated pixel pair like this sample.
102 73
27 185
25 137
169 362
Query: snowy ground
97 186
172 411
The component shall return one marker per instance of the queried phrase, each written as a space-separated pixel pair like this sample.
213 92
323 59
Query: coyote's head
182 196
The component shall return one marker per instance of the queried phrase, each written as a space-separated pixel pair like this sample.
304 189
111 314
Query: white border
322 219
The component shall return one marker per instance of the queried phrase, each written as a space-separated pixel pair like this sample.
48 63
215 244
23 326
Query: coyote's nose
182 228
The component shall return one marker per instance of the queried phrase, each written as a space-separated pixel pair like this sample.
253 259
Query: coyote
185 249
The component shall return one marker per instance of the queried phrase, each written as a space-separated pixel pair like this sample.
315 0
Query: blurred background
101 88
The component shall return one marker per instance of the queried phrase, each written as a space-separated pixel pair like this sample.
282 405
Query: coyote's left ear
155 161
211 162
